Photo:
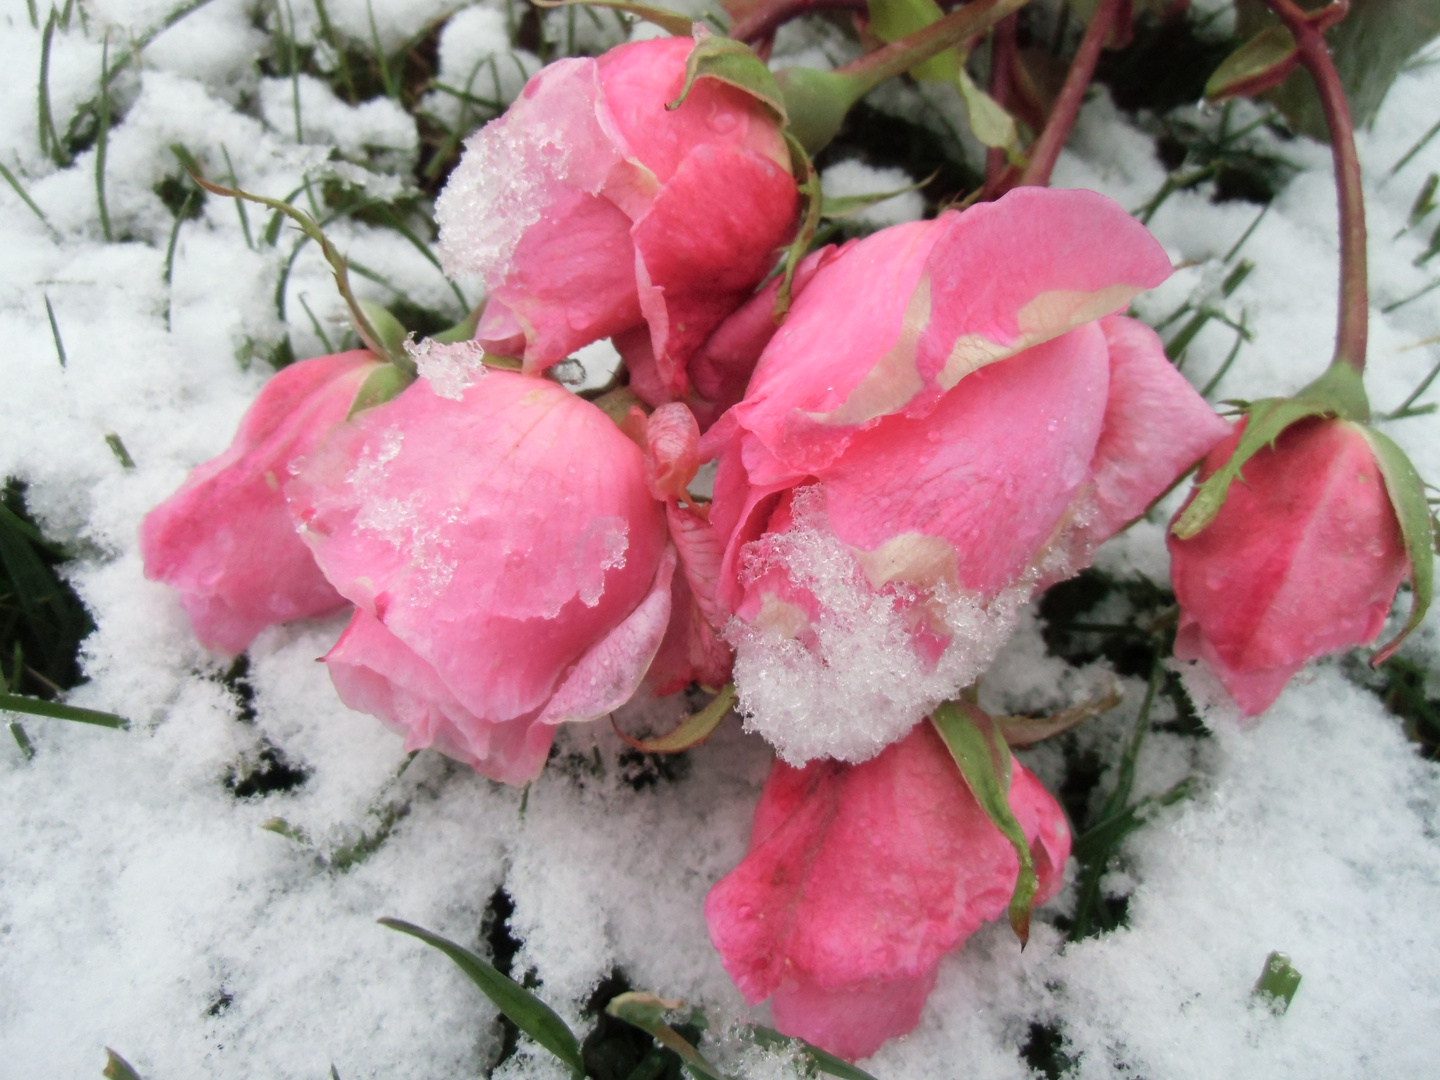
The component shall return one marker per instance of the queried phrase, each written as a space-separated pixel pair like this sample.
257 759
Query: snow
145 906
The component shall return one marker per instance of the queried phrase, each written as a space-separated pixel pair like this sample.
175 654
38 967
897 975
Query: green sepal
735 64
672 22
464 330
1262 62
647 1012
525 1010
1412 510
383 384
1339 392
1277 983
891 20
808 180
844 206
816 102
979 748
693 730
819 1060
389 334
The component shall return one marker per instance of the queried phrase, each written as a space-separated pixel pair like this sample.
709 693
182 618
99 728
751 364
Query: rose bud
860 878
946 422
508 564
590 210
1304 558
226 539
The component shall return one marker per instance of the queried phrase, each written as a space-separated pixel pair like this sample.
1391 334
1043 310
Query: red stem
1002 59
1354 321
1046 150
898 57
770 15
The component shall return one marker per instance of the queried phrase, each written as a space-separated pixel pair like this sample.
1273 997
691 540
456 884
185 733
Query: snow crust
144 906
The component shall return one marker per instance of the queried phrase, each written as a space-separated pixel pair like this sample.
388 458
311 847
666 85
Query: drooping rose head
226 539
508 564
591 210
950 418
1303 559
859 878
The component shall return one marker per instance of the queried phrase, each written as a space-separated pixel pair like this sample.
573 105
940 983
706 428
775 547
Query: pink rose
1303 559
508 564
947 421
226 539
860 878
589 210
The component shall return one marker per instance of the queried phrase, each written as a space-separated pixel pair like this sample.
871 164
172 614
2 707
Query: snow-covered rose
226 539
950 419
508 564
1303 559
590 210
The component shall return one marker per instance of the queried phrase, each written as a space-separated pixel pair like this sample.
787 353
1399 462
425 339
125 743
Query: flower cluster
953 415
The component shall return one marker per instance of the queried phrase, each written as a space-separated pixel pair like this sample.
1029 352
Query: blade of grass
1241 336
117 1068
22 740
1388 308
391 219
19 189
1420 145
118 449
525 1010
1235 248
102 139
55 330
387 80
49 139
34 15
327 30
231 180
57 711
170 250
315 325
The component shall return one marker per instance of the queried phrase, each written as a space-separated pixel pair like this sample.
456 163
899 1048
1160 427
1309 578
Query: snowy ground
144 907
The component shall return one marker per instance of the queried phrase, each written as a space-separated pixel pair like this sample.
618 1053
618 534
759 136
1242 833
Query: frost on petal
610 671
450 369
550 141
829 665
499 537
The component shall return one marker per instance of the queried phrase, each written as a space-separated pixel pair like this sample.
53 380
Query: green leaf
647 1012
989 121
735 64
891 20
57 711
693 730
524 1009
809 183
978 747
1256 65
1407 496
1268 419
820 1060
1277 983
671 21
383 384
117 1068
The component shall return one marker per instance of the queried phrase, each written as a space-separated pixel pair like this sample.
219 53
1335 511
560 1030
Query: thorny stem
1002 60
1351 334
770 15
900 56
1046 150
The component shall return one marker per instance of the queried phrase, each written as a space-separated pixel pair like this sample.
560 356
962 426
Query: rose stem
1354 319
1002 58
